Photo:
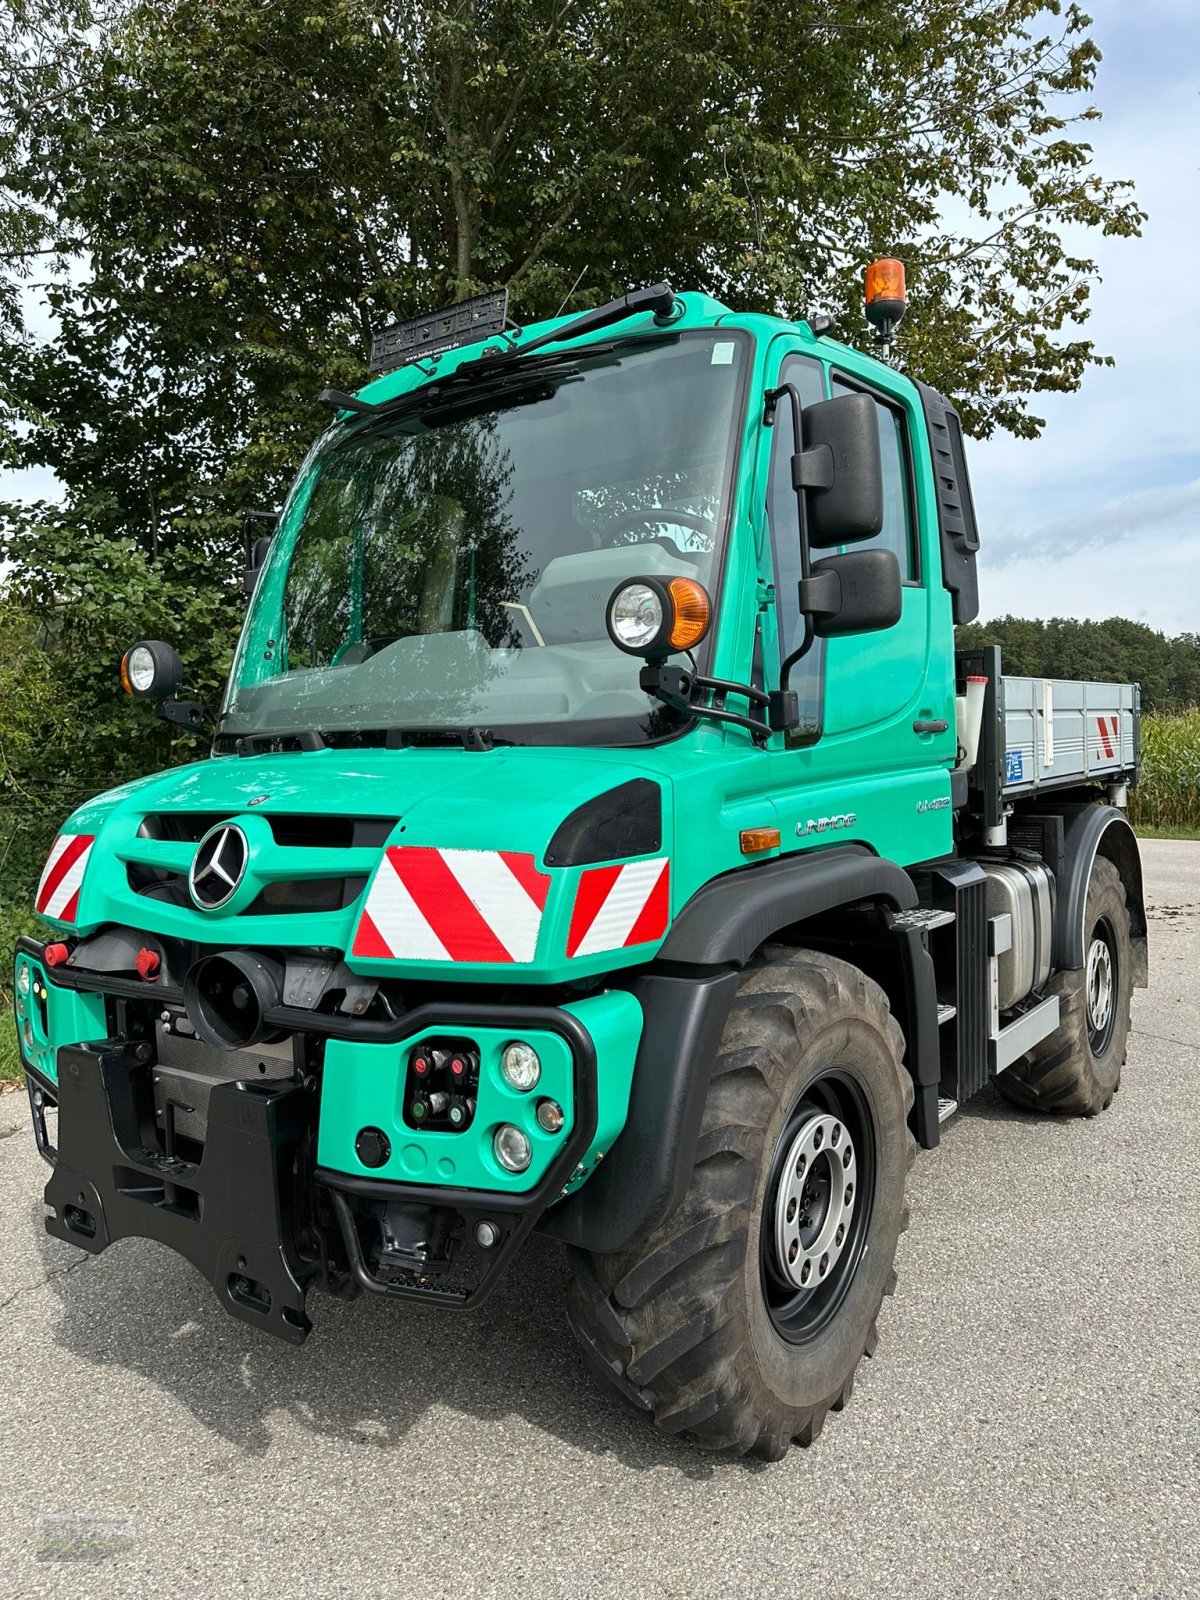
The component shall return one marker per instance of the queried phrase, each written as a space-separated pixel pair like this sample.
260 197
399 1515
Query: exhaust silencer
227 995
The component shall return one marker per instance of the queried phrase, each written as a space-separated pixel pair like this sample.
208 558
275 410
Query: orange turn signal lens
692 613
125 683
885 280
756 840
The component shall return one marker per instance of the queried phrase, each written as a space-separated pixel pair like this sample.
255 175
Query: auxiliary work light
651 617
512 1148
521 1066
151 670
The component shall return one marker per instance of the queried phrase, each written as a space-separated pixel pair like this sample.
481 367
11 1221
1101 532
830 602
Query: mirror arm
675 687
786 702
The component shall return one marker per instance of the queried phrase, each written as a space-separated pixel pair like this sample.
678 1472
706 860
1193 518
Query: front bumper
251 1206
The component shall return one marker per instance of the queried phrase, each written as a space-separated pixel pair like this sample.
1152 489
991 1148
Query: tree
1115 650
254 187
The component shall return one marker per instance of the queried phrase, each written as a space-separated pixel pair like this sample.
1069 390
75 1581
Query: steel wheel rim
1100 986
838 1205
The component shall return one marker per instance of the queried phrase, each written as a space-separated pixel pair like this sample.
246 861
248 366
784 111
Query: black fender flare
686 1005
734 915
1089 831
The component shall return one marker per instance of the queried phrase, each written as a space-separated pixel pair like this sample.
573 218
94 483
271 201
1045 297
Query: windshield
450 568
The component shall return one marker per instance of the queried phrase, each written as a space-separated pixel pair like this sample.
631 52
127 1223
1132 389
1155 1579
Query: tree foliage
247 189
1115 650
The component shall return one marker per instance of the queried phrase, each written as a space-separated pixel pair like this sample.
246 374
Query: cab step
946 1109
946 1013
924 917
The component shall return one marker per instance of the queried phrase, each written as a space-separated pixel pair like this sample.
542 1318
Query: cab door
871 757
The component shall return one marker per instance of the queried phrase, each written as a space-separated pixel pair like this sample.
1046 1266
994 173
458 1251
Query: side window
897 534
809 377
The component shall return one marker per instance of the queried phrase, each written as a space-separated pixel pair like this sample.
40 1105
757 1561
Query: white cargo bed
1059 732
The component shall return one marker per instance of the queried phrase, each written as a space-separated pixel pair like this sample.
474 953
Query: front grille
283 895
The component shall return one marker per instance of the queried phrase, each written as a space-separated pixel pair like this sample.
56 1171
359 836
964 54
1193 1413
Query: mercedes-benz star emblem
218 866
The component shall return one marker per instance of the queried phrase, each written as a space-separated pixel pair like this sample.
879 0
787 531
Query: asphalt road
1030 1425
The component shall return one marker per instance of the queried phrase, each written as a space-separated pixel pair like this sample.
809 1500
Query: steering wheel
665 516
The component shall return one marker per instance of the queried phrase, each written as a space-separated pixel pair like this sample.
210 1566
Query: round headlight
511 1147
140 668
635 617
27 1035
521 1067
23 979
550 1116
151 669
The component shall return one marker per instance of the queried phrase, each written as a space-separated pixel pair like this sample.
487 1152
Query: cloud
1149 515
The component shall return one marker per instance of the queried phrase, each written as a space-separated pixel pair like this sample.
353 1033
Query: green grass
1168 833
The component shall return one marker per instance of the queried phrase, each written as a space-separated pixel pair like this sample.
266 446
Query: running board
1019 1038
946 1109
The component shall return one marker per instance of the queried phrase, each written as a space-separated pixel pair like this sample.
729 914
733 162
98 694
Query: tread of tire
659 1314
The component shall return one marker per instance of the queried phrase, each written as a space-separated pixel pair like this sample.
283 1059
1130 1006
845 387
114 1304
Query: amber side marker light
693 613
886 296
755 840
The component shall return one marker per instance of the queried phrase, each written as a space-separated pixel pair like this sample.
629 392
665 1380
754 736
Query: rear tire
705 1324
1077 1070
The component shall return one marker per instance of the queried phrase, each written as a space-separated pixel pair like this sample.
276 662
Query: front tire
741 1321
1077 1070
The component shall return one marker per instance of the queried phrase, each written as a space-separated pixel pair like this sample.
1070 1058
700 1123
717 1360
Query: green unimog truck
601 835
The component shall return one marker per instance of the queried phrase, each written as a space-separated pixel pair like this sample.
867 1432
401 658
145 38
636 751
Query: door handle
935 725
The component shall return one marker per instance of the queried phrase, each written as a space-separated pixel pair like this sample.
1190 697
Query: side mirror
840 472
256 551
255 562
151 670
858 592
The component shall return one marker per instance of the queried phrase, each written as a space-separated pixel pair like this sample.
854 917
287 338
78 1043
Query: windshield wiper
479 740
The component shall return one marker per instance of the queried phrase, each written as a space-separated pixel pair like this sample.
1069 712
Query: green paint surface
363 1086
55 1017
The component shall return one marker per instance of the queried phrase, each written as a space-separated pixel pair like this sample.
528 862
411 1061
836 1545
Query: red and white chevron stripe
616 907
58 891
452 905
1110 738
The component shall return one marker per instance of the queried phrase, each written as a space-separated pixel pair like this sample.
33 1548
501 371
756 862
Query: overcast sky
1101 515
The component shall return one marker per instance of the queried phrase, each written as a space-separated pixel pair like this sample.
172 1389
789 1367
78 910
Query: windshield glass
450 568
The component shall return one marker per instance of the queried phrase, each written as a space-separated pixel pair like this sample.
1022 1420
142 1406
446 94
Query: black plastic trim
625 821
734 915
957 527
1086 829
646 1174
